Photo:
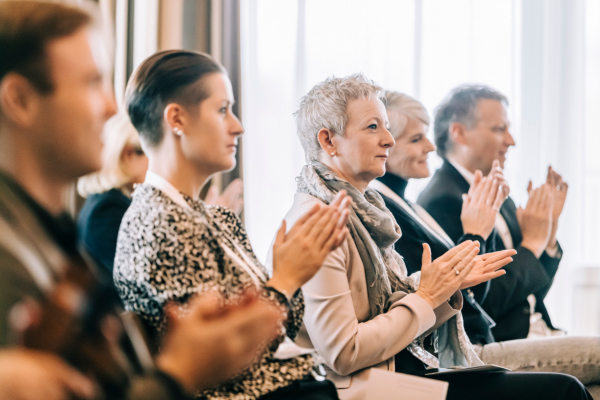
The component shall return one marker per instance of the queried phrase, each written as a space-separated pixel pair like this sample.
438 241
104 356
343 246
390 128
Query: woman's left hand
487 266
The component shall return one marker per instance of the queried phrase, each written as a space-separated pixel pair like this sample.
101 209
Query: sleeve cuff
157 385
553 252
425 315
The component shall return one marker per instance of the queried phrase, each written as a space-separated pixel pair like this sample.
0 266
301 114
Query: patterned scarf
374 231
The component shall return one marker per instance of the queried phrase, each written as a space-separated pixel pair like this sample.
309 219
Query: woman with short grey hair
363 311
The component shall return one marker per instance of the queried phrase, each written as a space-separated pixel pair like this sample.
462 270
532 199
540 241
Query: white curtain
536 52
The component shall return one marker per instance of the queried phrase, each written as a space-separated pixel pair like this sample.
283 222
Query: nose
388 139
429 147
111 103
510 141
236 128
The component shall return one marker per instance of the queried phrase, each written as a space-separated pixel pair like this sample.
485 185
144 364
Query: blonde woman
108 191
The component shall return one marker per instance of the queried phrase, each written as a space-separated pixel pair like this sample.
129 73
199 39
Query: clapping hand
31 375
559 191
497 173
535 219
300 253
441 278
487 267
213 341
482 202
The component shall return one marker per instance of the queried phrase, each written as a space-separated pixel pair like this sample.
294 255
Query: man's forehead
491 111
81 52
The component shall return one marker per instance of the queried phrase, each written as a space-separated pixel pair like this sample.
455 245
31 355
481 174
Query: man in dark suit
471 131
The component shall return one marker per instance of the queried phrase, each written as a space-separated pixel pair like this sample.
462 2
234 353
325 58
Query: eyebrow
379 121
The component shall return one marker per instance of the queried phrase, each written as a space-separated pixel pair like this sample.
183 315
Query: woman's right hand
298 255
480 206
439 279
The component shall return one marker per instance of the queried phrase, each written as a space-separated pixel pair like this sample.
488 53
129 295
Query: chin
423 174
379 173
229 165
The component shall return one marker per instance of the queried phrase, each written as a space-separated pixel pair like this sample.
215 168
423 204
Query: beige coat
337 320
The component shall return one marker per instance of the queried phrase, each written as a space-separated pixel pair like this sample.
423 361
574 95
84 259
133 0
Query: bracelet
283 293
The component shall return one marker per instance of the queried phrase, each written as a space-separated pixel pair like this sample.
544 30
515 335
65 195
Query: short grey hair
460 106
324 107
400 108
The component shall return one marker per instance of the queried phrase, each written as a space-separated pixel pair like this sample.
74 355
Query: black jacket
410 246
506 301
98 226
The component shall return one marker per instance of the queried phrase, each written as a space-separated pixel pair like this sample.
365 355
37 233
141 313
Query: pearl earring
333 154
177 131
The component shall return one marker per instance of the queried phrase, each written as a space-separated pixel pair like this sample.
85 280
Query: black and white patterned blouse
167 252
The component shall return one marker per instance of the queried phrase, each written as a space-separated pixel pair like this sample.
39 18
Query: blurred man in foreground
54 101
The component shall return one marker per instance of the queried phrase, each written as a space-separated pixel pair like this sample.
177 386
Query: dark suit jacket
410 246
506 301
98 225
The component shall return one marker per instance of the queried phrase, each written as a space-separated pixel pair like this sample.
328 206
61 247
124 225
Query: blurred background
543 54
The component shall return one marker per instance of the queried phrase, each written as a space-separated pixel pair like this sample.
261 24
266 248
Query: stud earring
177 131
333 154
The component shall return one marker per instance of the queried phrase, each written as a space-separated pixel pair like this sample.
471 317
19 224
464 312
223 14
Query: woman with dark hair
108 191
172 245
363 310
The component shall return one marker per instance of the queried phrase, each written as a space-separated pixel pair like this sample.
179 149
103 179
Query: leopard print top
166 252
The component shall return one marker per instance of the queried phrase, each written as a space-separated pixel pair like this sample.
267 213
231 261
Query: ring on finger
455 270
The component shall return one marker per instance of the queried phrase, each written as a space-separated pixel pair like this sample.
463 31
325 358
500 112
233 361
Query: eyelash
373 126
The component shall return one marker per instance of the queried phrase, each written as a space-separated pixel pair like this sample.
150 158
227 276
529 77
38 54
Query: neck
31 171
356 181
395 183
180 172
463 159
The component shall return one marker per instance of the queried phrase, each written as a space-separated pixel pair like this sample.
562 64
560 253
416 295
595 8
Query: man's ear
457 133
325 137
19 100
175 119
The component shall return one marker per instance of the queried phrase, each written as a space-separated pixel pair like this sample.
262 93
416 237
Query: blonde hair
400 107
324 106
118 133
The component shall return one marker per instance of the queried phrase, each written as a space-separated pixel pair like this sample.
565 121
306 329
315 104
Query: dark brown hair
26 28
166 77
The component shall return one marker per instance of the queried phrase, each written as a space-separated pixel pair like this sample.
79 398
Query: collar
395 183
468 175
153 179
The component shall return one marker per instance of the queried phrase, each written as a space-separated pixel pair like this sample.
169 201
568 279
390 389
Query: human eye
372 126
416 138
